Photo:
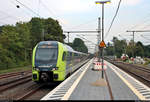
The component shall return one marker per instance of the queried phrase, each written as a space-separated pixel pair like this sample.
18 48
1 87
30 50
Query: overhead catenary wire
113 18
145 26
39 6
87 22
143 22
52 13
49 11
14 3
88 35
13 17
28 8
123 38
144 37
6 17
10 16
146 19
86 39
89 49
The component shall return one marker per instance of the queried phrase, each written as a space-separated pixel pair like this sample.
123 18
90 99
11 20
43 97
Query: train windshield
46 54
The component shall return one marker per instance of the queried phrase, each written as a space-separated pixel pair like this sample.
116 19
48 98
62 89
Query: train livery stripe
61 64
33 56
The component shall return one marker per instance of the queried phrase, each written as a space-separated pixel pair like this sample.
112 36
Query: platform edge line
129 85
69 92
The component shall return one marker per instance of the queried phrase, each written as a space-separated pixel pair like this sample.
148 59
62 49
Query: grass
15 69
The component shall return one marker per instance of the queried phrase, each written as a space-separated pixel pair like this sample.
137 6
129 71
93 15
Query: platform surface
79 86
119 89
86 91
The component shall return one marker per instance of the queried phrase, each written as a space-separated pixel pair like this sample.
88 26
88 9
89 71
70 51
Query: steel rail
30 92
137 75
13 74
14 84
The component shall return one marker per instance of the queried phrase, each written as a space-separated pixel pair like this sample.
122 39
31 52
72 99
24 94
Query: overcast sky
76 15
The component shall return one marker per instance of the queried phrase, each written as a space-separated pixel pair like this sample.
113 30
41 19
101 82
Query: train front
44 61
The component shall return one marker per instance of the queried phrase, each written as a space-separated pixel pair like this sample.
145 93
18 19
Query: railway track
140 73
29 93
36 91
18 88
23 88
11 80
138 67
2 76
14 83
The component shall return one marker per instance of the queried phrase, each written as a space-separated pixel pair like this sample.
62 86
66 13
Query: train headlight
55 68
37 69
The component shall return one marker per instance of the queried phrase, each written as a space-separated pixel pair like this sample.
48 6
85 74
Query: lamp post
103 2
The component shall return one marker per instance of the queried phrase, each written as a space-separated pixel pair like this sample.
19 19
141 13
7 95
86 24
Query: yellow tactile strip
141 90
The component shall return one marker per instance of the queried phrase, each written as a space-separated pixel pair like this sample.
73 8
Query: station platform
119 86
86 91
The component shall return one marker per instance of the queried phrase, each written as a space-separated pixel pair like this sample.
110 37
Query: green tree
53 30
119 46
139 49
17 42
79 45
130 49
147 51
36 27
109 49
25 39
10 45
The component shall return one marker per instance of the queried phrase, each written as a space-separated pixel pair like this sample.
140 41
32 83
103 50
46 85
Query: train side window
64 56
75 54
71 54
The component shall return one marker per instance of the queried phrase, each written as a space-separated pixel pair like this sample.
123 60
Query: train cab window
64 56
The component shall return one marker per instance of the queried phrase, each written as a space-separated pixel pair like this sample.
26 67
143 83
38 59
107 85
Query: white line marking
69 92
141 97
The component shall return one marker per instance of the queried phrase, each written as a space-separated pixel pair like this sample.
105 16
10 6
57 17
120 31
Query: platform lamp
103 2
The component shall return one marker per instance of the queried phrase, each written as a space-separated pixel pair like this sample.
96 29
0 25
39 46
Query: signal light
56 68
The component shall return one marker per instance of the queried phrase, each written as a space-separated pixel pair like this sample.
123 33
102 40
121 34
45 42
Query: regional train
54 61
